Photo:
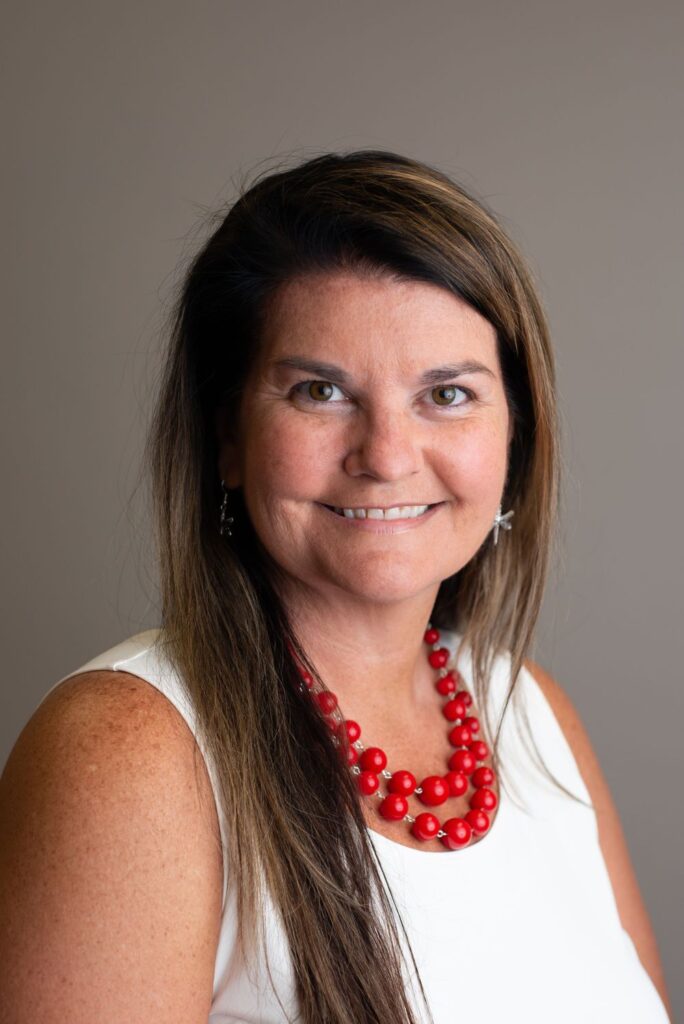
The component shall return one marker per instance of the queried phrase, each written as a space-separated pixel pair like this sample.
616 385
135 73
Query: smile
396 512
378 520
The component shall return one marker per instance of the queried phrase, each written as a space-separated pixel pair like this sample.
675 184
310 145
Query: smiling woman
354 458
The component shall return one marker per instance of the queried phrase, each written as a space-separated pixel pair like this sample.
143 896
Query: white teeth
398 512
407 512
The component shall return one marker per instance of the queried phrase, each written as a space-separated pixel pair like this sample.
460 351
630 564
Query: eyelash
298 390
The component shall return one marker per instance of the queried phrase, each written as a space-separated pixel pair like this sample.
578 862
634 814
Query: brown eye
319 389
446 394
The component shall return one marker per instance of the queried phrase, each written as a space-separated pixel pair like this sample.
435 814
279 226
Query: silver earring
501 523
226 520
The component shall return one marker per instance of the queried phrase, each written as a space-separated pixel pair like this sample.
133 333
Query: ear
229 467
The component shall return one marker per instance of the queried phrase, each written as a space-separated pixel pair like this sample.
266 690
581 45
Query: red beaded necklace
369 764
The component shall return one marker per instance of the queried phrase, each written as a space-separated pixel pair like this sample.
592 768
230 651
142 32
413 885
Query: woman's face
408 410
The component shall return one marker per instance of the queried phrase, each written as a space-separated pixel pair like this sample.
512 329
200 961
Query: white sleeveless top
521 927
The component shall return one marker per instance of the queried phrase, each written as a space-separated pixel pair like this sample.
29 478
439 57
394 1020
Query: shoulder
631 908
111 866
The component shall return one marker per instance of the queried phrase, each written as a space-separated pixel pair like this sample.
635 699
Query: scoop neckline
488 838
410 851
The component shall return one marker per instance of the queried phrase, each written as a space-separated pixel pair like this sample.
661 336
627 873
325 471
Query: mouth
395 513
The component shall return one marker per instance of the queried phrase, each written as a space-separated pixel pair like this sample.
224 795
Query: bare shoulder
630 903
110 864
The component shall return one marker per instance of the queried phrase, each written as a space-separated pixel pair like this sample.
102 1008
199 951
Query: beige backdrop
125 122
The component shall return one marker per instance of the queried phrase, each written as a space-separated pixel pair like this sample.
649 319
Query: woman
355 463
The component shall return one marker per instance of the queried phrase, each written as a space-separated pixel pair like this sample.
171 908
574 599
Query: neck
371 656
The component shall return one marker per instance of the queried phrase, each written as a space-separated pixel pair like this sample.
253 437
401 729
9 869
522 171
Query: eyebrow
328 371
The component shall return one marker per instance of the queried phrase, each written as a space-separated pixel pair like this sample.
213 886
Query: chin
379 584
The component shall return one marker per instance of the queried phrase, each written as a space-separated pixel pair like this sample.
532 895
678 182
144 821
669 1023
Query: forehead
404 323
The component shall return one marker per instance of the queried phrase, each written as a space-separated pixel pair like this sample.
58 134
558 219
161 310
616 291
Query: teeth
398 512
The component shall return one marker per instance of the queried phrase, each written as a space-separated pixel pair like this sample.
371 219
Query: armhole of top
551 740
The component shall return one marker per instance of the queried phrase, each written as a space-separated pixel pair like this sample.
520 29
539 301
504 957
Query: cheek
475 464
289 459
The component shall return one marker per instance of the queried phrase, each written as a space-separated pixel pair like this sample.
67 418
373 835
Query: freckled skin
383 441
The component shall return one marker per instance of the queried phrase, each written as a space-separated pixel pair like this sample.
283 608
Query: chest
423 748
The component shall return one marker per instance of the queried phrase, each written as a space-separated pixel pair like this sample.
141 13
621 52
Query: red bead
482 777
353 730
435 790
446 685
457 783
368 783
351 754
327 701
439 658
462 761
458 833
472 723
480 750
402 782
478 821
307 678
465 697
454 709
394 807
431 636
373 759
425 827
460 736
483 800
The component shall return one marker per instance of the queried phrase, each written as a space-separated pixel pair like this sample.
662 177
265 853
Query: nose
385 445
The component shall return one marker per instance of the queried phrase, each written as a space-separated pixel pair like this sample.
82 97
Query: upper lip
384 508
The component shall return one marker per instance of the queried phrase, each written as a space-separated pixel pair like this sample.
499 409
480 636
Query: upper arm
110 868
631 908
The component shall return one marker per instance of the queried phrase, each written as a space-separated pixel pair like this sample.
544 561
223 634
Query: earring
226 520
501 523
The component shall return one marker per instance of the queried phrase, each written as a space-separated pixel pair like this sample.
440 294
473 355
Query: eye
321 392
447 392
318 391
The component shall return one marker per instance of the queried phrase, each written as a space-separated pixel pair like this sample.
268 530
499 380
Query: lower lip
383 525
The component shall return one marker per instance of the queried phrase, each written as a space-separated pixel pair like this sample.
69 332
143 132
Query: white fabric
521 927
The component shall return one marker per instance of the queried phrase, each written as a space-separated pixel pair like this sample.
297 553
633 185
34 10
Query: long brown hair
295 818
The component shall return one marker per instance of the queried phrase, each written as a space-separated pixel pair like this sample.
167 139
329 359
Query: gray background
125 123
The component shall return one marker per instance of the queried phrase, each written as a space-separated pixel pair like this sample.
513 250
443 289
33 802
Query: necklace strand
369 764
